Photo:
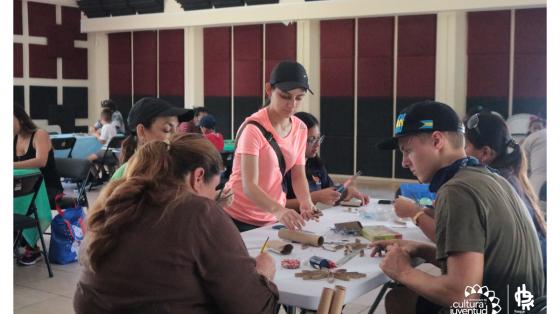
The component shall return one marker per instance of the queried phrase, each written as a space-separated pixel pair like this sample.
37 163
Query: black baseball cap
288 75
423 117
148 108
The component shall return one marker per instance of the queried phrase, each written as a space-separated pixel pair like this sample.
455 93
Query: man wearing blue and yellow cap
486 246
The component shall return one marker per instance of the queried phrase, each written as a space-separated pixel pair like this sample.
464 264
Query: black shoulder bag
270 139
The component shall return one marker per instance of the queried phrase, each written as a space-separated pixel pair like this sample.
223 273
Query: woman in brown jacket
158 243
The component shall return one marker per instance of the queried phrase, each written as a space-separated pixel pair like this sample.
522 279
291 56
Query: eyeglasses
316 141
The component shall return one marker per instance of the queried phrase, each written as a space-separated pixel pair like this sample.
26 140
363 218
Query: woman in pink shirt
256 179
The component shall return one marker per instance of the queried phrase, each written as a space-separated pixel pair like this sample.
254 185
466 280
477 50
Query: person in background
33 149
104 135
534 146
184 120
489 140
257 178
484 234
193 126
149 119
188 256
536 124
321 186
116 116
207 126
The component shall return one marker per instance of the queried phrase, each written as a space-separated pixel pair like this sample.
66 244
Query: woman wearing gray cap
149 119
271 142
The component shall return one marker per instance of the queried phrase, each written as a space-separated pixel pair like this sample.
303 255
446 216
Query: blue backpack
68 229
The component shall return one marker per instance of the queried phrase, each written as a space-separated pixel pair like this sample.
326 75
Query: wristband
416 216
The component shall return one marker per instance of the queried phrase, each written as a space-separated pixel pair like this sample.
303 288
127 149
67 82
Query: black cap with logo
288 75
148 108
423 117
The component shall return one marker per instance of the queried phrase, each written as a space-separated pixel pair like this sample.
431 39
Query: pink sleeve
250 141
301 146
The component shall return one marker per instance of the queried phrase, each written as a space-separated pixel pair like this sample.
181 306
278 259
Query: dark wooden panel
529 80
227 3
243 107
371 161
337 152
62 116
337 116
19 95
488 32
337 39
488 75
248 78
18 25
41 17
337 77
188 5
375 76
177 101
77 98
416 64
416 76
337 58
536 106
281 44
375 117
40 98
77 66
376 37
40 65
220 108
248 61
497 104
145 63
18 60
530 31
217 61
171 63
120 65
71 20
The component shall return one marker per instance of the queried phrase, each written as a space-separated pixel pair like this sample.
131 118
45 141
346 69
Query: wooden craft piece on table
340 274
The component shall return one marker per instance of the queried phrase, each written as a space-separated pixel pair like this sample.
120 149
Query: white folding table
306 293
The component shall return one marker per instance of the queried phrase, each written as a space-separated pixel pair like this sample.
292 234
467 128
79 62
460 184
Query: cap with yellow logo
426 116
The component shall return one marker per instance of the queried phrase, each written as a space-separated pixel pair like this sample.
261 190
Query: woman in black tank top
32 149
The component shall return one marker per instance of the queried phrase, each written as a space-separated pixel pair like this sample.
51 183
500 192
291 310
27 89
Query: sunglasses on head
472 124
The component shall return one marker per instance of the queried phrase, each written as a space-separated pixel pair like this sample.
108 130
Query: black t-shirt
49 172
317 177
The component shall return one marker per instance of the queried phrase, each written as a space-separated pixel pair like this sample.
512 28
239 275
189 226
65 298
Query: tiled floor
35 292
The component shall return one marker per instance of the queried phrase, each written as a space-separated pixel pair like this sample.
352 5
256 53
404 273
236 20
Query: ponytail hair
128 147
154 181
